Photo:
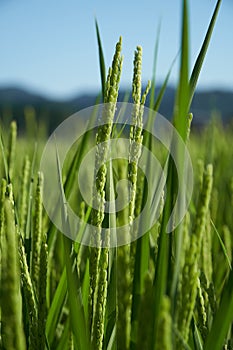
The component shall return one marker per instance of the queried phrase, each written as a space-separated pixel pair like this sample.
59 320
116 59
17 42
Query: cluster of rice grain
23 290
10 297
98 258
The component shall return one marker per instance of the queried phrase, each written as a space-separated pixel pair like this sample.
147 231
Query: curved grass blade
196 336
72 172
200 59
111 343
223 318
156 50
163 88
77 317
63 342
56 307
101 59
222 244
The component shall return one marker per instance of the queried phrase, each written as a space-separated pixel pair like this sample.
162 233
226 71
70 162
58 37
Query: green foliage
163 291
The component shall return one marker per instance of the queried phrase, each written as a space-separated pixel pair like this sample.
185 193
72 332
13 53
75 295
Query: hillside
14 100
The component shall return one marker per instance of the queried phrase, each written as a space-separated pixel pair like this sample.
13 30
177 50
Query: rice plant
160 291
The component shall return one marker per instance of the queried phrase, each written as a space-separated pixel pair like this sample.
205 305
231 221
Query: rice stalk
97 215
203 205
202 311
23 207
42 286
11 149
144 334
164 338
188 290
101 298
124 264
12 333
214 205
124 298
186 240
4 156
123 277
37 234
2 199
207 265
136 136
29 298
227 238
190 272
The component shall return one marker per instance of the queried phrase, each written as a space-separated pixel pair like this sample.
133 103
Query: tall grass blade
181 123
182 98
78 322
56 307
162 90
200 59
222 245
153 80
101 59
223 318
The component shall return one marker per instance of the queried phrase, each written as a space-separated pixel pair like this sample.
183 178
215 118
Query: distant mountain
205 102
14 96
14 100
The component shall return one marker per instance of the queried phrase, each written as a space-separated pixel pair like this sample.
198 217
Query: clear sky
49 46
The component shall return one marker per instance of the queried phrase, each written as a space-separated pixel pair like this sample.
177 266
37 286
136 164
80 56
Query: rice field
160 290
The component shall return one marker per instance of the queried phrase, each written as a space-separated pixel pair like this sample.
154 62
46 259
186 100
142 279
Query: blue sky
50 47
